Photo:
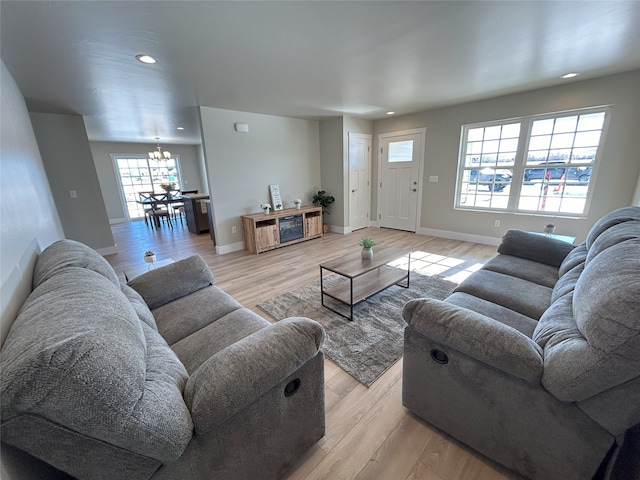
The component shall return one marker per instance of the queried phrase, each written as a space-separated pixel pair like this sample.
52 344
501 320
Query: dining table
155 200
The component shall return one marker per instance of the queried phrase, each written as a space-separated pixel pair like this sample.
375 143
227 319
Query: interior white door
400 166
359 180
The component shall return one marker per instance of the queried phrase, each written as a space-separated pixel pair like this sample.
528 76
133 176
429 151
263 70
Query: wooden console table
261 231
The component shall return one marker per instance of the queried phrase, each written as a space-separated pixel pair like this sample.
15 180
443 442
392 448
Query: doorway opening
137 173
400 171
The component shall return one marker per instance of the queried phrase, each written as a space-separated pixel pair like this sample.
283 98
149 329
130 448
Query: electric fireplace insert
291 228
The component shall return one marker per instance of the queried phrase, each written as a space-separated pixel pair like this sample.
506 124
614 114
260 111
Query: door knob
413 189
354 190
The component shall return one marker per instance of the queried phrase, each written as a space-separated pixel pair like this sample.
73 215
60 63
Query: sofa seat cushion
497 312
529 270
521 296
98 371
196 349
186 315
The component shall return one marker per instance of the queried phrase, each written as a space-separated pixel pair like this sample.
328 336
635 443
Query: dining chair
161 209
178 208
146 199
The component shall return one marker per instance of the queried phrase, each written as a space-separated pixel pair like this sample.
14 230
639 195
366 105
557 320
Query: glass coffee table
364 278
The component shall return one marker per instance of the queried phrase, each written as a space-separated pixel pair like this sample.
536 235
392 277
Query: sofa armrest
236 376
477 336
531 246
165 284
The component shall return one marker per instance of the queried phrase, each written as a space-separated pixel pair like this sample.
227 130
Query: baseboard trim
107 250
465 237
232 247
114 221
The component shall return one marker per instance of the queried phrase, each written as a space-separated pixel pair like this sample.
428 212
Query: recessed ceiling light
391 113
570 75
146 58
179 128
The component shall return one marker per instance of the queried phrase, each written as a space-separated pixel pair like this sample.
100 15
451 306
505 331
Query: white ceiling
301 59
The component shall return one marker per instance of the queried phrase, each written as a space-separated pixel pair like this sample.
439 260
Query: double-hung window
542 164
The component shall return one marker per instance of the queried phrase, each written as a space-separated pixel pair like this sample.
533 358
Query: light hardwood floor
369 434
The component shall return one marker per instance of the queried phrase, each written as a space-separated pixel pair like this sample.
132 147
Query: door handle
413 189
354 190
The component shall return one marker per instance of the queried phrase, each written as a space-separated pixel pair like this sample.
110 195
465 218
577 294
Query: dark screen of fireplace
291 228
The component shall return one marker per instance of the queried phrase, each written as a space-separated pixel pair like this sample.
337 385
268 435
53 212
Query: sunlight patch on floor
426 263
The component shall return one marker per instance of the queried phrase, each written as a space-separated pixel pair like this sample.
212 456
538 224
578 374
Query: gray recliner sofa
534 360
167 377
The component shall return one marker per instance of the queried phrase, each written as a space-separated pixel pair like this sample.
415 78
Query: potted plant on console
322 199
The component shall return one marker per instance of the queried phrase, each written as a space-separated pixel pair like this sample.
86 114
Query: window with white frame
138 173
539 164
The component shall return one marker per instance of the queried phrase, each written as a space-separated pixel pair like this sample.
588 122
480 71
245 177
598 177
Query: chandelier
159 154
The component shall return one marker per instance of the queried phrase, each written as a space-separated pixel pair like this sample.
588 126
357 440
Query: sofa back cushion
78 356
138 304
171 282
620 215
600 347
69 253
577 256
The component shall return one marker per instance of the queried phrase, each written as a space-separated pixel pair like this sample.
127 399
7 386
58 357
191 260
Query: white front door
359 193
400 173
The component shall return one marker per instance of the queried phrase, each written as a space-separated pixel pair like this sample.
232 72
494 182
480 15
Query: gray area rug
370 344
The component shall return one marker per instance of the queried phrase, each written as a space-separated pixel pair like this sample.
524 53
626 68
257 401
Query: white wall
334 160
192 175
68 161
615 180
29 223
241 166
333 169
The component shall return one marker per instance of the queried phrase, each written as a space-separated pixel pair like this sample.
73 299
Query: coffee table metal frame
365 277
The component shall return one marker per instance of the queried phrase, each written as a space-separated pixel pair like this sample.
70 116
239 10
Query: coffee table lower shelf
354 290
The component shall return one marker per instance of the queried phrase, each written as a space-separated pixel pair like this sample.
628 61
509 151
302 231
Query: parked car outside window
495 180
556 170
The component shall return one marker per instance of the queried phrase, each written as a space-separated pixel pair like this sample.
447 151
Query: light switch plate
433 178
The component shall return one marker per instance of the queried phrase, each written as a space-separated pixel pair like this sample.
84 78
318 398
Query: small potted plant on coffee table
367 244
150 258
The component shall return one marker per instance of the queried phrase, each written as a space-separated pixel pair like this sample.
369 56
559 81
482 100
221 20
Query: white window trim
116 170
520 162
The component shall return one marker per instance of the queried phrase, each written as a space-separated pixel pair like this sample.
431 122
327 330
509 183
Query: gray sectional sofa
534 360
167 377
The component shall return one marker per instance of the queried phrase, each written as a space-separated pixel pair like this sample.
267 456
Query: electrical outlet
496 223
234 229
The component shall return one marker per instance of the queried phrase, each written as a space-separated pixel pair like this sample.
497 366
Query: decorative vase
266 211
367 253
298 206
549 229
150 259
